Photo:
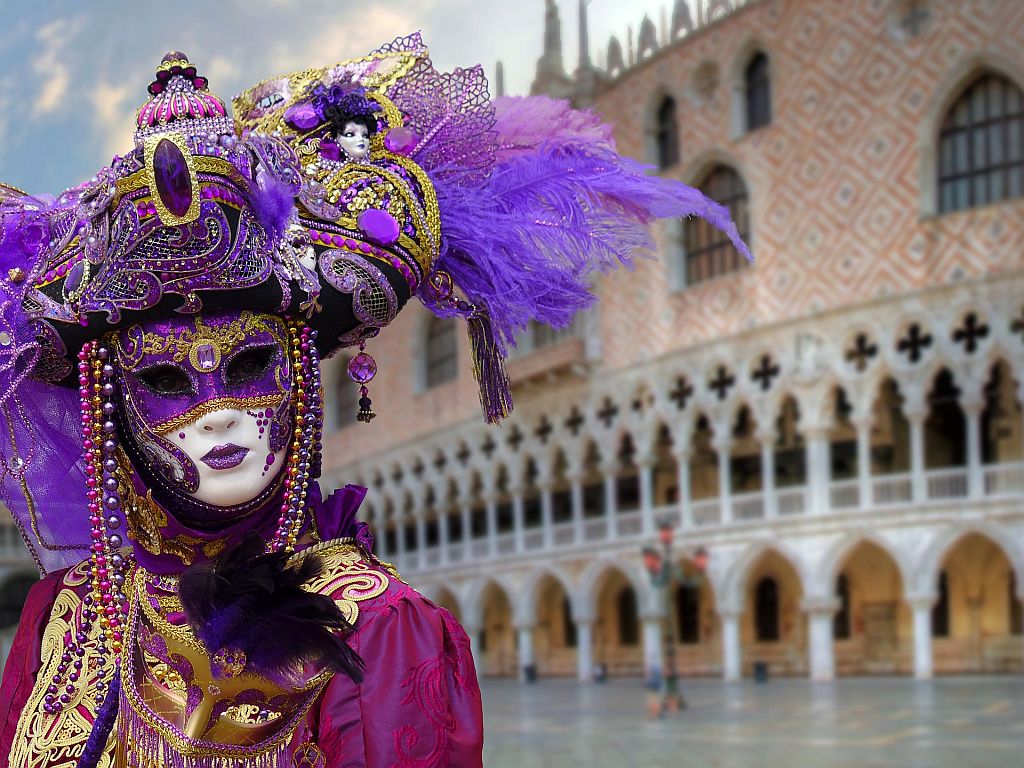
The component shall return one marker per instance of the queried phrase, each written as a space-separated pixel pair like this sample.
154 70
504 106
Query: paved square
966 722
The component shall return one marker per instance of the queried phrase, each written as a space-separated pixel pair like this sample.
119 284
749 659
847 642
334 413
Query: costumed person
161 328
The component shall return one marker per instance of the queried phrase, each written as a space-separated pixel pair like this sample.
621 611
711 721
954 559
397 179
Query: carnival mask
207 402
354 138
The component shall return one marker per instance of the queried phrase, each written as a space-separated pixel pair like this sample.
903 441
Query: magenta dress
418 705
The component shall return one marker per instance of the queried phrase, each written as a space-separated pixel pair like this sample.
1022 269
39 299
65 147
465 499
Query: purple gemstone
303 117
75 275
207 357
379 226
171 177
362 368
401 140
329 150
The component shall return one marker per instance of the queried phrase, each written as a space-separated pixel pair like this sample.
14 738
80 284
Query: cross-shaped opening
765 372
970 333
722 382
914 343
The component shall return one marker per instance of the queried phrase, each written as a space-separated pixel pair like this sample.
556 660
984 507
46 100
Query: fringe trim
489 368
146 747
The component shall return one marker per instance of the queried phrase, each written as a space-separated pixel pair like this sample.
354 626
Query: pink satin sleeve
23 661
419 703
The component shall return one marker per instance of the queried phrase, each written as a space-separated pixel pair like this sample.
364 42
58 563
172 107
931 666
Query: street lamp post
665 575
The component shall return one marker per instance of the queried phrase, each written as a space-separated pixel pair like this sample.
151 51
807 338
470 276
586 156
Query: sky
73 72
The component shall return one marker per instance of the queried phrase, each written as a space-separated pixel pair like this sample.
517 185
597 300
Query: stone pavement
963 722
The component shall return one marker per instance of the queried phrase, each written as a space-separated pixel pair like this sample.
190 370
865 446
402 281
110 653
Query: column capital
814 605
722 444
726 612
919 601
972 405
525 626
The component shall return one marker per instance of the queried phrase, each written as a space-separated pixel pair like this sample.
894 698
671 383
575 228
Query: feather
552 216
274 203
524 123
254 602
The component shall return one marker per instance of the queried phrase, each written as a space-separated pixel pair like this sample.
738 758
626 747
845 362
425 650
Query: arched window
758 91
940 611
688 614
1016 612
841 622
629 626
981 145
346 396
766 610
568 625
666 134
13 594
441 354
709 252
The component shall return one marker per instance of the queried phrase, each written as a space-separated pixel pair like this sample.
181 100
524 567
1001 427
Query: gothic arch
832 561
927 569
585 599
958 77
734 584
529 594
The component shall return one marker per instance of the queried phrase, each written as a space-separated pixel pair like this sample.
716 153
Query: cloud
341 39
113 116
55 40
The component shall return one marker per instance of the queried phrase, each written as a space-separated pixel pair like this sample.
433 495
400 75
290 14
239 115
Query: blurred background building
839 425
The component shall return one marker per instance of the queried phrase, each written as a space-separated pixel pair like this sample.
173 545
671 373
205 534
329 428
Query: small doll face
354 138
207 402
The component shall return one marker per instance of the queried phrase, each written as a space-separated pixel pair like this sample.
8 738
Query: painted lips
225 456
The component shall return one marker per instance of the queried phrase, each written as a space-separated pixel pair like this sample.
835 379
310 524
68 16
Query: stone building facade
839 426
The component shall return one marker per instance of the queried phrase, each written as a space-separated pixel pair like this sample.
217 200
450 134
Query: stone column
421 538
819 470
547 516
517 518
821 649
646 468
732 658
723 446
683 482
610 501
466 510
577 507
653 645
526 658
585 649
918 481
380 539
443 534
864 462
771 502
921 606
975 473
473 632
400 542
492 525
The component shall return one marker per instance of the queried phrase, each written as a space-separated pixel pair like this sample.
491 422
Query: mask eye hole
249 365
166 380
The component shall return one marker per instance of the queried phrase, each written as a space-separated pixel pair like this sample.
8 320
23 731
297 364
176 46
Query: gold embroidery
237 403
57 741
346 578
185 343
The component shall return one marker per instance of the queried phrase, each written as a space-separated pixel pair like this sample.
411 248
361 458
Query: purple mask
207 403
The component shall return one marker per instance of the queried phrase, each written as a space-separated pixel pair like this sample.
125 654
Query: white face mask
207 400
355 140
229 448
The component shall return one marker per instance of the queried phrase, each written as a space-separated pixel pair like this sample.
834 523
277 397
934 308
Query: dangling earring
361 369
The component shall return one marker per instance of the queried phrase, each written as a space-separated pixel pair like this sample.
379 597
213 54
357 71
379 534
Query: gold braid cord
57 741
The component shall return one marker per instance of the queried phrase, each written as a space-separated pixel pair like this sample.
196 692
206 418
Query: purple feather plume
274 203
254 602
525 242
